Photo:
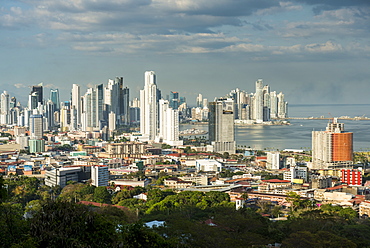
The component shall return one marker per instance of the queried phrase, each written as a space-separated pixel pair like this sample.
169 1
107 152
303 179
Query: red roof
276 181
336 187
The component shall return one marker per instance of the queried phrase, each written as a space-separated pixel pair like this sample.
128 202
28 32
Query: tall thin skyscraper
50 114
4 108
221 125
258 104
282 106
149 107
76 103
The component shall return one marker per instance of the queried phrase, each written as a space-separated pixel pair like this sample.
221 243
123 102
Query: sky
313 51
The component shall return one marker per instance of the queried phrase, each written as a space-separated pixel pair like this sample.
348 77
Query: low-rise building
208 165
176 183
364 209
60 176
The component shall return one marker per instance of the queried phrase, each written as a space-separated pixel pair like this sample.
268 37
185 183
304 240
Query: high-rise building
76 102
168 124
332 148
38 89
36 126
221 125
149 107
174 100
125 106
200 101
49 114
99 175
258 102
33 100
273 105
54 97
282 106
4 108
273 160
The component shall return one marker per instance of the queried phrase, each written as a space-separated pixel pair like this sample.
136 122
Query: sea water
298 134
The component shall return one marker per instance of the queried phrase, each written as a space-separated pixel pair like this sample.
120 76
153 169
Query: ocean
298 134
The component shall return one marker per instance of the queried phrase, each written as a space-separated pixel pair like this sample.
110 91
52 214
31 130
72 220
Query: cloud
19 85
329 46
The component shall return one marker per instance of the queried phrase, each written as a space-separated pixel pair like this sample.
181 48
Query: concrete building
208 165
99 175
168 124
36 145
351 177
36 126
60 176
296 172
273 161
127 149
332 148
221 125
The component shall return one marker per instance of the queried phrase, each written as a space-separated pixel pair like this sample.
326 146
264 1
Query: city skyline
321 49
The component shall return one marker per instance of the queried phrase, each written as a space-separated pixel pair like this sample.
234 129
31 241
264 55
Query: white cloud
329 46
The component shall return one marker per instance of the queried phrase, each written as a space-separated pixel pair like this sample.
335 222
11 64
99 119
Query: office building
99 175
221 125
60 176
332 148
54 97
39 92
36 126
174 100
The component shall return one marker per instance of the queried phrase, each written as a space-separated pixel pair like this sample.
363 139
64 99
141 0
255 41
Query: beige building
126 149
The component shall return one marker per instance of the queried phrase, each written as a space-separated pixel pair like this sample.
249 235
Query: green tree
102 195
65 224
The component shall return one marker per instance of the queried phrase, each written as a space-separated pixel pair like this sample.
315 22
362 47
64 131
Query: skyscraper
36 127
333 147
76 103
174 100
221 125
38 89
168 124
54 97
4 108
258 101
149 107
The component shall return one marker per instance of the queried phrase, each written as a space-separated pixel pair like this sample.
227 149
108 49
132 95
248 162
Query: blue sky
314 51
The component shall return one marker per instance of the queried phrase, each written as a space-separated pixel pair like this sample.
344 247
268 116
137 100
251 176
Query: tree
294 199
65 224
101 195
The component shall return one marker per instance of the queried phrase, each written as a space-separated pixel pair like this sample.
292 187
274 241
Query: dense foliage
34 215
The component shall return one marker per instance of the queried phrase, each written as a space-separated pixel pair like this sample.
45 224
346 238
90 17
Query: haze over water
298 134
